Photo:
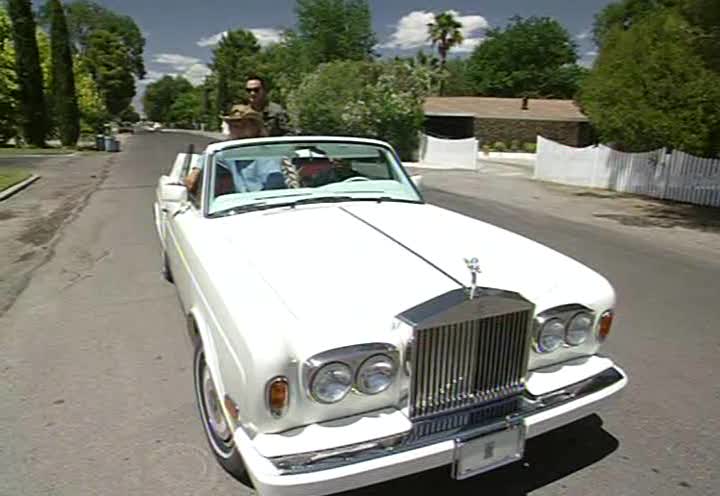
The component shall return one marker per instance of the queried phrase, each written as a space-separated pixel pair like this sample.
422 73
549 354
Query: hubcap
216 417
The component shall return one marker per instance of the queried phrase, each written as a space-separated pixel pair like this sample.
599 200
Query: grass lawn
10 176
11 150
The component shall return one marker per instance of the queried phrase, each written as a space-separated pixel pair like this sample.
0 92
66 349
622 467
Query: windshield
282 173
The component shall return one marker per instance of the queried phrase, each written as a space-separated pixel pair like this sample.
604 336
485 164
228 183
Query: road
96 387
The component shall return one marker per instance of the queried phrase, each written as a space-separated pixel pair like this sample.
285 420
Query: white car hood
345 270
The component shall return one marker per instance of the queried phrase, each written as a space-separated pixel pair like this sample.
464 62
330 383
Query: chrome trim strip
469 422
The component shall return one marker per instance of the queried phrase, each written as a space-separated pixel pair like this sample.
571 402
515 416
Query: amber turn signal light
605 324
278 396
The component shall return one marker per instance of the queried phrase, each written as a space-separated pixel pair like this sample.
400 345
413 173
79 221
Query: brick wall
489 131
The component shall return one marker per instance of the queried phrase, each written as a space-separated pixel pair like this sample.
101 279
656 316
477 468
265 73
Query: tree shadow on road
667 214
548 458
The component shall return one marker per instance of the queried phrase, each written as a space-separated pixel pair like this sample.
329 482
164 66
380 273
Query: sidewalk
676 226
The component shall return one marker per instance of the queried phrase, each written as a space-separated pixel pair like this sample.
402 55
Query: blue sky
180 33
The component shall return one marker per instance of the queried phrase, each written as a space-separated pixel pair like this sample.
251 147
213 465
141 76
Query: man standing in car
274 116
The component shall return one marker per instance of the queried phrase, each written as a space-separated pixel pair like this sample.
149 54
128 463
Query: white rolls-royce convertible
346 332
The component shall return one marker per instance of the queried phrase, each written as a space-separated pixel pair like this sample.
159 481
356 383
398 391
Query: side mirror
173 192
417 181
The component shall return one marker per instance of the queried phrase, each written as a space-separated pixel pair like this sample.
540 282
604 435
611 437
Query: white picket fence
448 153
670 176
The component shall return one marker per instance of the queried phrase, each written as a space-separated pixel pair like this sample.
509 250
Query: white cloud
191 68
265 37
196 74
588 58
211 40
411 30
584 35
175 60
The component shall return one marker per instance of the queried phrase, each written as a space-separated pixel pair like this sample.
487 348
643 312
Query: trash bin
99 142
111 144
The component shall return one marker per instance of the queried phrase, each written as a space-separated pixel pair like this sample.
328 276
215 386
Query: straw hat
241 112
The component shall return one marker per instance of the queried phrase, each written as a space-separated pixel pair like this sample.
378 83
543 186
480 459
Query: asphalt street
96 390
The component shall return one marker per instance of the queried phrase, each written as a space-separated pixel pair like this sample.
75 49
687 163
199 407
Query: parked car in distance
346 332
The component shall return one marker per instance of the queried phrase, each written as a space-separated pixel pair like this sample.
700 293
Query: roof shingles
505 108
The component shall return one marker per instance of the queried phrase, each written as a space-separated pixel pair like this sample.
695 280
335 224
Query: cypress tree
33 114
63 80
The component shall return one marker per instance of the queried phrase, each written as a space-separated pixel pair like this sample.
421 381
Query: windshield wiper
318 199
241 209
304 201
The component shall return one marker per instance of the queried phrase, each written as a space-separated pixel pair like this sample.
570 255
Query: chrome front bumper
472 422
429 444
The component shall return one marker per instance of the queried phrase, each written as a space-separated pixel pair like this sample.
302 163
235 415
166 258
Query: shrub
515 146
366 99
529 147
499 146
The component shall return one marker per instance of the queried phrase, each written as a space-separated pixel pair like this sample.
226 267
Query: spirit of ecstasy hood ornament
474 266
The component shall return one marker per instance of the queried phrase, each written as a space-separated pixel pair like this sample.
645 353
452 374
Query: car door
183 223
176 175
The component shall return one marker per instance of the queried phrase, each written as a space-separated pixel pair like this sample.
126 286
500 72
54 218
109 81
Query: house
493 120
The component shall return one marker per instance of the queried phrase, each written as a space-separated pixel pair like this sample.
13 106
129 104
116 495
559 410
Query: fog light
605 324
278 396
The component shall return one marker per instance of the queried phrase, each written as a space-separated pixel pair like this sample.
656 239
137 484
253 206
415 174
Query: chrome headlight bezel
354 357
374 360
565 314
543 328
586 333
326 367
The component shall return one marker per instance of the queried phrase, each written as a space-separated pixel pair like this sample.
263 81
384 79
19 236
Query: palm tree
445 33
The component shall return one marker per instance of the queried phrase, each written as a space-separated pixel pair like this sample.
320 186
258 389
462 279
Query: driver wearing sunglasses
274 116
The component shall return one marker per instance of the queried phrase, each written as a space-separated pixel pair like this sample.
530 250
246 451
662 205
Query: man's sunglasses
252 90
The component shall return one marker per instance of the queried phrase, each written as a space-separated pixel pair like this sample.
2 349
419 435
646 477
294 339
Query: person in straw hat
243 122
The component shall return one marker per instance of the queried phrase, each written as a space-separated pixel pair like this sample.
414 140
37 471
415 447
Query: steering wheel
355 179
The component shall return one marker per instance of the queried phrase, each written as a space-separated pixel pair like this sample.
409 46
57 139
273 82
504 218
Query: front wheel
216 426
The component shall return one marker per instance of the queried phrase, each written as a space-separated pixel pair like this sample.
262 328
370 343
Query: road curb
8 192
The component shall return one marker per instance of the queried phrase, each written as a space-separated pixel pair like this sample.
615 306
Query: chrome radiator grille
465 363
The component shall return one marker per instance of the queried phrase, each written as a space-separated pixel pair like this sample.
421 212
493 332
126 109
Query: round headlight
551 336
578 329
375 374
331 382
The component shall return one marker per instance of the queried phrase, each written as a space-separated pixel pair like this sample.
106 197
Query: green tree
622 15
650 88
93 113
85 17
130 115
64 98
532 57
335 29
284 65
8 81
704 17
377 100
108 60
234 59
457 81
161 95
186 110
445 33
33 113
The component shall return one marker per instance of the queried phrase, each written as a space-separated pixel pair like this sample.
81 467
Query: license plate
475 456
